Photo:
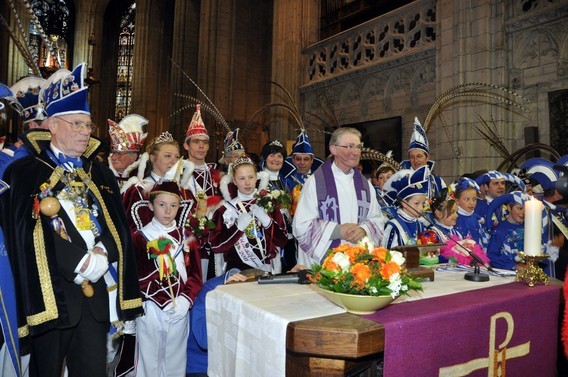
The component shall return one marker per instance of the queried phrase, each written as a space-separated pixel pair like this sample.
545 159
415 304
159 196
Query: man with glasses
126 140
337 204
301 163
64 224
419 155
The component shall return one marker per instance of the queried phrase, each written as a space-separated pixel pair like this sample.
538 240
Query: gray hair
338 133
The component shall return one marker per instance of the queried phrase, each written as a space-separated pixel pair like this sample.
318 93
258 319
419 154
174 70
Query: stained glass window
54 17
124 67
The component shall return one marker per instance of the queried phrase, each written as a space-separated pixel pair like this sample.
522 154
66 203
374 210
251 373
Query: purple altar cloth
511 329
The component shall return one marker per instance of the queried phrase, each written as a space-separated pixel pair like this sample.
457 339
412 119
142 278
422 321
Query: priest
337 204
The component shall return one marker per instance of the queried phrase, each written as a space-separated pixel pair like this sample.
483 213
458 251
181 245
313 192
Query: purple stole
326 189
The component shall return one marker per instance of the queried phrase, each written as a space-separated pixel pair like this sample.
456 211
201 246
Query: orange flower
389 269
329 264
361 272
379 253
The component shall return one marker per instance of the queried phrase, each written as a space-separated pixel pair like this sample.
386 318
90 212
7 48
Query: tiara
164 137
242 161
277 143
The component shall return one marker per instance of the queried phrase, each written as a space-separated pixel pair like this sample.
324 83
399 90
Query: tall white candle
533 227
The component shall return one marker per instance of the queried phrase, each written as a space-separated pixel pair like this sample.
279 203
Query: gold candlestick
532 273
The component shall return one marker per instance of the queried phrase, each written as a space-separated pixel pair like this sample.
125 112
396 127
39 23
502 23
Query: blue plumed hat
407 182
516 197
464 183
542 171
65 93
487 177
232 142
302 144
26 98
563 160
418 140
515 181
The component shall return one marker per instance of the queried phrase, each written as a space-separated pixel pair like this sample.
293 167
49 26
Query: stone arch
536 47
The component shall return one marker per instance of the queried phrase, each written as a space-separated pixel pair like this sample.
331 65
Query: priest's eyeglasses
351 147
78 126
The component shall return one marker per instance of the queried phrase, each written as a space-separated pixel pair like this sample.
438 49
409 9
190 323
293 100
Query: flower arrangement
459 253
200 226
356 270
296 191
272 199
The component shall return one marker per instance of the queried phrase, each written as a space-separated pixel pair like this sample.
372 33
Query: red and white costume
162 333
255 246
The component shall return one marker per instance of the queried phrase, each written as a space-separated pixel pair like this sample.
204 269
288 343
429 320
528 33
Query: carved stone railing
403 32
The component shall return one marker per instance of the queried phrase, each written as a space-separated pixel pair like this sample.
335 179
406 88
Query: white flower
395 285
276 194
373 289
342 261
397 257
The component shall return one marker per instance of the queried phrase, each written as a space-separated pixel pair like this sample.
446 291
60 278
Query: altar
289 329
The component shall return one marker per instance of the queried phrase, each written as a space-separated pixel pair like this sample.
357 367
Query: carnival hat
542 171
515 181
407 182
563 160
196 127
232 143
418 140
166 187
516 197
302 144
464 183
127 135
65 93
487 177
25 98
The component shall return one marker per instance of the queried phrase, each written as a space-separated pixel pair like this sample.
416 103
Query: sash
328 205
244 249
247 254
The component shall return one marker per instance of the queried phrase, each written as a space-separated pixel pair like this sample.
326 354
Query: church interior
485 78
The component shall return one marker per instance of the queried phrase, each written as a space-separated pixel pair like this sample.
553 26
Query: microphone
473 256
301 277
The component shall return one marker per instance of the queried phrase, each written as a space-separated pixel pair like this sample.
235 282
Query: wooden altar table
277 330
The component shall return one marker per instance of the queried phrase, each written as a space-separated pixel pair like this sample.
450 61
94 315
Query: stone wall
520 45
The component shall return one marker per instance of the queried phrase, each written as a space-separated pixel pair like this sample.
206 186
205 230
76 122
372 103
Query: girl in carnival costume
409 189
469 224
169 271
163 153
247 235
445 211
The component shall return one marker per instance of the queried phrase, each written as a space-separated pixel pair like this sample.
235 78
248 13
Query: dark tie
73 161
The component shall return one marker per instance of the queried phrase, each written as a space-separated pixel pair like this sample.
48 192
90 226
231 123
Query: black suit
54 315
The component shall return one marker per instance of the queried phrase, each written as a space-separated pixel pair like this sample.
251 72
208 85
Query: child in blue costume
197 341
507 237
380 177
445 212
410 188
469 223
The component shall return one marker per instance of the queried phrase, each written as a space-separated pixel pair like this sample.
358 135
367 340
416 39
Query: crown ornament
164 137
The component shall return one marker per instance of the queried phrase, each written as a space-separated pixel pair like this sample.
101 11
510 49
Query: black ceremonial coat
43 263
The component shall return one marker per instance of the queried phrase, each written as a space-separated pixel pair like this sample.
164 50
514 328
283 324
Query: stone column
151 87
295 26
